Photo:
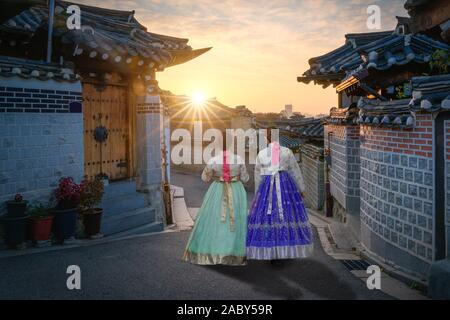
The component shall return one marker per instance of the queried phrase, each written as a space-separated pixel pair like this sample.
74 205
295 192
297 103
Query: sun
198 98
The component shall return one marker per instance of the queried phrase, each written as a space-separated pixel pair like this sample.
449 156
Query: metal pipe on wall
51 14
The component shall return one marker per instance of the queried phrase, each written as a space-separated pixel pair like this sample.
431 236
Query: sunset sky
259 47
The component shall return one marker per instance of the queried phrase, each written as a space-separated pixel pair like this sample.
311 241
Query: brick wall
344 171
313 174
397 193
418 142
35 100
41 136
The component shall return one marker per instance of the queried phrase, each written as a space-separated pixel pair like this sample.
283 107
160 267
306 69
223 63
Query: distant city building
287 112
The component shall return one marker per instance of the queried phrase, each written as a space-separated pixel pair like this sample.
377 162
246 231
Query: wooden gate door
106 136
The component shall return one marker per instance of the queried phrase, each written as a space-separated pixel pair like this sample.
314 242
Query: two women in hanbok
277 225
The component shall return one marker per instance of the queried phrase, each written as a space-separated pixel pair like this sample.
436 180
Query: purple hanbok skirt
278 236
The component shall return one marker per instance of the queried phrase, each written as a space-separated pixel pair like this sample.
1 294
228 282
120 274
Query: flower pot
16 208
15 230
64 223
40 228
66 204
92 220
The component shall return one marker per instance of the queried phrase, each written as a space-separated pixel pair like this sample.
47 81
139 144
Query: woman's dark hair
224 140
269 134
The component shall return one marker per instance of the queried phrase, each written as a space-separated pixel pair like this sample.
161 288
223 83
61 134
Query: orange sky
259 47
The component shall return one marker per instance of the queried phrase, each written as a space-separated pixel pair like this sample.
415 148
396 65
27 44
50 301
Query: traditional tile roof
387 50
430 94
290 142
310 129
386 113
27 69
109 35
400 50
361 39
182 110
343 116
344 58
312 150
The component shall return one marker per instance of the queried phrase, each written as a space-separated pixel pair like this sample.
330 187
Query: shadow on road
290 279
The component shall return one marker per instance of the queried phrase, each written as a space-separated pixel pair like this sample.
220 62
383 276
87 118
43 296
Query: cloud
259 47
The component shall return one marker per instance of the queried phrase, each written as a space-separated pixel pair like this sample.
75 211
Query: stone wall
344 172
312 166
149 133
397 194
41 136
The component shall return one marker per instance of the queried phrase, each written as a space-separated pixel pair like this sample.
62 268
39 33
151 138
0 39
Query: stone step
148 228
127 220
123 203
117 189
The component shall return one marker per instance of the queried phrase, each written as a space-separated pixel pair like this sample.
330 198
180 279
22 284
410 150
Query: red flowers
68 192
91 193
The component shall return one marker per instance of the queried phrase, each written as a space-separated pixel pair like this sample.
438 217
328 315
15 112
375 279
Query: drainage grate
355 264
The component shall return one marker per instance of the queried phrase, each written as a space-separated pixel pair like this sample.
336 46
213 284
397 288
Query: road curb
393 284
80 243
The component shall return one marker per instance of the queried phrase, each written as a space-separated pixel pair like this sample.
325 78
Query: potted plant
67 195
15 222
90 197
16 207
40 222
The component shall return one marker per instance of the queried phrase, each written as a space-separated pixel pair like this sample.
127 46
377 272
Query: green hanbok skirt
218 236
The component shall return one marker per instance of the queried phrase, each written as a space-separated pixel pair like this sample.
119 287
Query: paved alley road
150 268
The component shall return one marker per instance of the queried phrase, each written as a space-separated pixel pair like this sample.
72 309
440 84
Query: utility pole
51 14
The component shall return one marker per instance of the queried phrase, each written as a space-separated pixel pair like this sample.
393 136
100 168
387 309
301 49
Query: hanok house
386 145
94 111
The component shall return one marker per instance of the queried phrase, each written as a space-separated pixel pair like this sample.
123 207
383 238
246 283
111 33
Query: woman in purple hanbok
278 225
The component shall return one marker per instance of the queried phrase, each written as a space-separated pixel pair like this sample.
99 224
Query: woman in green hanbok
219 233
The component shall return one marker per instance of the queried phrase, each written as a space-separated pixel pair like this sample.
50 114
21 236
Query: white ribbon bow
275 180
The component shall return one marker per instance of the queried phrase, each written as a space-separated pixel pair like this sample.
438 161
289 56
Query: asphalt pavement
150 267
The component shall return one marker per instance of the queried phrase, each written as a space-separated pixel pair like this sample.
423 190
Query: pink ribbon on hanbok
227 198
275 153
226 168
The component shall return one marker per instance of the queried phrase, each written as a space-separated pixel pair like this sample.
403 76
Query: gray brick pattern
397 200
313 174
25 100
345 172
